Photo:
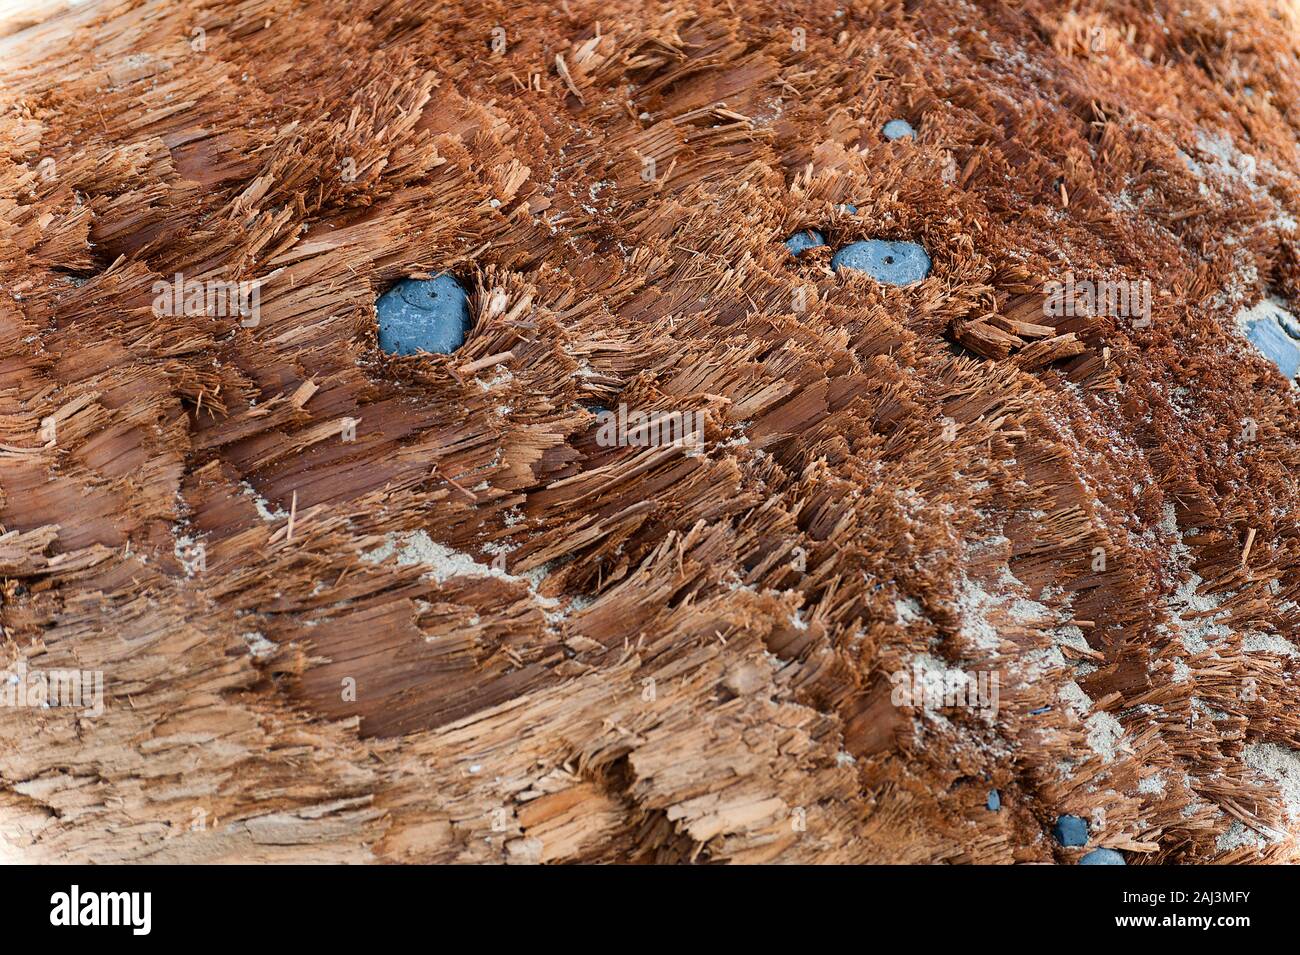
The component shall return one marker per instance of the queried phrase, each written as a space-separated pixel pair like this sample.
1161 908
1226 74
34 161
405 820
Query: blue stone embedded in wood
898 129
423 315
894 263
1270 337
994 801
803 241
1071 831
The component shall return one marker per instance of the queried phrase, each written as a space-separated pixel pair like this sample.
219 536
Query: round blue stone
994 801
803 241
894 263
1103 857
429 315
1070 831
898 129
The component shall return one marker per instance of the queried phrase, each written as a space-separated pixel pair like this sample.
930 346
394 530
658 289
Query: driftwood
348 607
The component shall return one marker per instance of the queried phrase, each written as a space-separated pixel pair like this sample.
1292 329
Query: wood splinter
456 484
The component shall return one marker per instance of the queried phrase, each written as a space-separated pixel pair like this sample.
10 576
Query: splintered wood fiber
476 633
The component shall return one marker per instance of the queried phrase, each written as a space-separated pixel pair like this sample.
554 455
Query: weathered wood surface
688 656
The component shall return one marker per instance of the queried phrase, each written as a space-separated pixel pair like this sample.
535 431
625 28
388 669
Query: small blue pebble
1071 831
803 241
995 801
898 129
1040 711
849 209
1103 857
429 315
894 263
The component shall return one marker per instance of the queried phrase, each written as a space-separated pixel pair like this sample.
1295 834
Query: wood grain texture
679 655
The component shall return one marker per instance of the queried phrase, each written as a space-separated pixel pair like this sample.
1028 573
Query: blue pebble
894 263
995 801
1276 345
849 209
429 315
803 241
1040 711
1071 831
898 129
1103 857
